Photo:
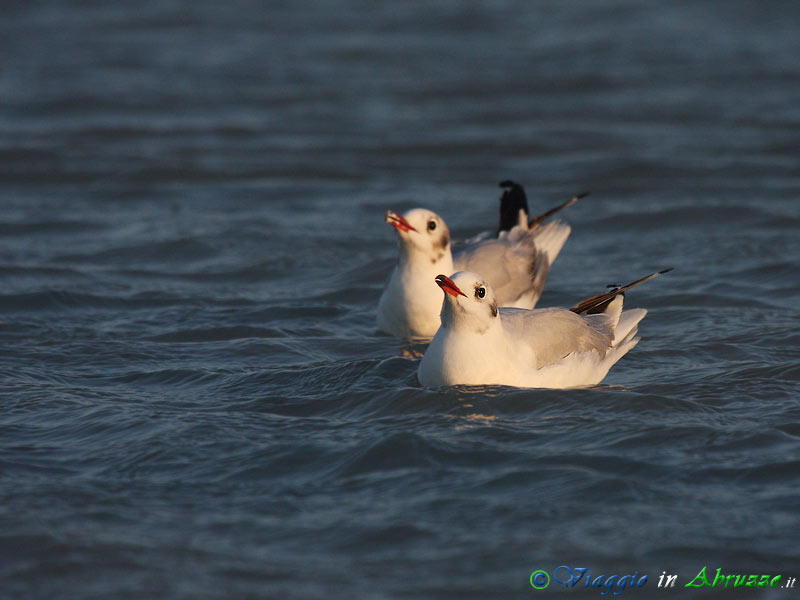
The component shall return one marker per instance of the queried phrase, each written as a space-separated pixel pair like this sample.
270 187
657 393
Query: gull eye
431 225
480 292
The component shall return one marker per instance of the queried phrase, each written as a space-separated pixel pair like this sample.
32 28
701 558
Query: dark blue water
194 401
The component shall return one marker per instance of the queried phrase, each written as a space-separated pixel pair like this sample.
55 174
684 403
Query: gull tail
550 238
625 325
628 325
599 304
536 220
620 348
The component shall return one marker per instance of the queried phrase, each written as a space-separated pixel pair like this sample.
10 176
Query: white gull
481 344
515 264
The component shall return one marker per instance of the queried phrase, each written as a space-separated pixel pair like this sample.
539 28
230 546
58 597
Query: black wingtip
511 202
583 194
535 221
597 304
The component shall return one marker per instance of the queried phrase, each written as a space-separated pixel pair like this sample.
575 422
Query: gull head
421 232
468 302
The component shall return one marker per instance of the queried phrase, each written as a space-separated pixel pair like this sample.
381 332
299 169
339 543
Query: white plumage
515 264
479 344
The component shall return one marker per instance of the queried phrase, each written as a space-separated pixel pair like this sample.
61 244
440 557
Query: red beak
398 221
448 286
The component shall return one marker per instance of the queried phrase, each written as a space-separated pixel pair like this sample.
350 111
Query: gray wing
517 265
553 333
512 272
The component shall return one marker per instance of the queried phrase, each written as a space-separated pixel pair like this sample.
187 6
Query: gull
481 344
515 263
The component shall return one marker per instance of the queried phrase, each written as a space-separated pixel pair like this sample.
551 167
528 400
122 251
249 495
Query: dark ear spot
440 247
493 308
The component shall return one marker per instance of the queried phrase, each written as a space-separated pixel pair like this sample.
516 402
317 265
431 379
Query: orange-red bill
448 286
398 221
